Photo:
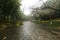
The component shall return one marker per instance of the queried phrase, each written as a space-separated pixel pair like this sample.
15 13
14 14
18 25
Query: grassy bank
54 23
5 25
53 28
46 24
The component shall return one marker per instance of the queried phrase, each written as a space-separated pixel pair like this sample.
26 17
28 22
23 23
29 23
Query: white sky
26 5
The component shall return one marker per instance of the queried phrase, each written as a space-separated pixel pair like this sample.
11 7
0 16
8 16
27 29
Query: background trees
10 10
49 10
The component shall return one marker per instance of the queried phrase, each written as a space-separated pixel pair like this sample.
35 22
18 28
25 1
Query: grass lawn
54 23
54 26
46 25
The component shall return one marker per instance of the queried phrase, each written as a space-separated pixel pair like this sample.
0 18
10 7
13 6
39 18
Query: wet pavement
27 31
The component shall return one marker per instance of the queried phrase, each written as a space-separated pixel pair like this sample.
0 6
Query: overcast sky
26 5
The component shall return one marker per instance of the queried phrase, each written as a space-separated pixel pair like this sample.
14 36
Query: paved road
28 31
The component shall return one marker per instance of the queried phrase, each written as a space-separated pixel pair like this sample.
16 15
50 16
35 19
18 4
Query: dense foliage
49 10
10 10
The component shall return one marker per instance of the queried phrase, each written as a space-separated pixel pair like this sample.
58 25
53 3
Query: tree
52 5
10 10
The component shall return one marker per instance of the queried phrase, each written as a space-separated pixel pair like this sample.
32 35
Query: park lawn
54 23
55 26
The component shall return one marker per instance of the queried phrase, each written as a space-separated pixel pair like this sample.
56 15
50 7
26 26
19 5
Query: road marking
4 37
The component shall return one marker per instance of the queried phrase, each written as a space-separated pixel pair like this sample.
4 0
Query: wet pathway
28 31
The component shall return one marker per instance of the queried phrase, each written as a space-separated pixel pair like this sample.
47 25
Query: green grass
5 25
47 23
19 23
54 24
